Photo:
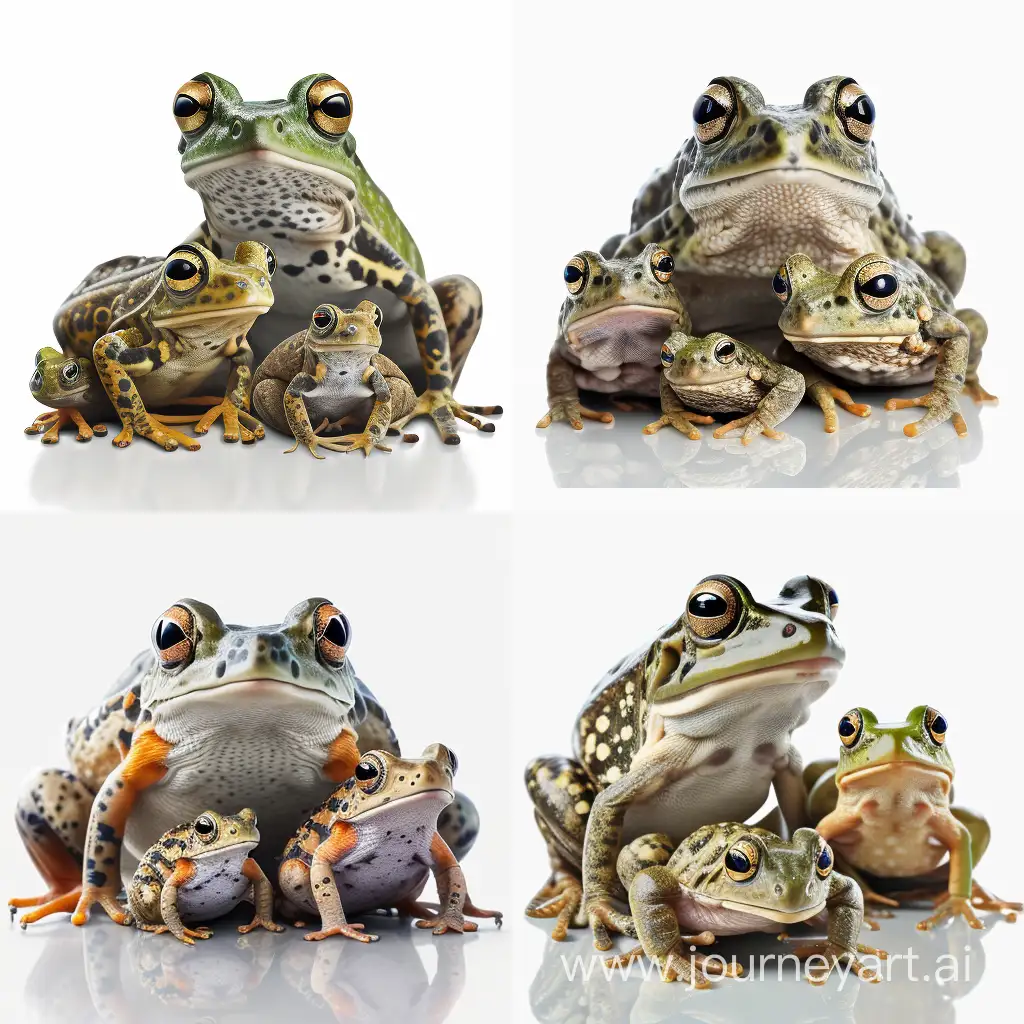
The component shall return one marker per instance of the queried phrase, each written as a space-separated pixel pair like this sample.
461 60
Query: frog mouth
898 764
434 793
728 189
847 339
780 916
221 850
212 314
620 322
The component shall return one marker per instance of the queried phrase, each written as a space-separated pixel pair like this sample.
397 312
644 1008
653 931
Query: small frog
886 807
720 374
69 385
199 871
693 728
376 841
610 329
883 322
334 375
731 879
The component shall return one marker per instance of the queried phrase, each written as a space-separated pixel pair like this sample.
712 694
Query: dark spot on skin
324 278
291 270
124 384
320 257
719 757
841 300
768 132
355 270
295 670
826 304
815 133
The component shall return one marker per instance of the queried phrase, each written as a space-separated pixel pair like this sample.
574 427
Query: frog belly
217 886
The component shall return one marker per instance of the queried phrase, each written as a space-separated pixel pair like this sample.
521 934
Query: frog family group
767 204
294 225
221 738
679 745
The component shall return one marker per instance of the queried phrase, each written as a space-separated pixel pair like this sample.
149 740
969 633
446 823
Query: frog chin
619 323
770 914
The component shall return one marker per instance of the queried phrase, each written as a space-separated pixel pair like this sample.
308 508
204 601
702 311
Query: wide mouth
619 318
260 691
219 851
211 314
707 193
898 764
781 916
706 377
295 174
435 793
845 339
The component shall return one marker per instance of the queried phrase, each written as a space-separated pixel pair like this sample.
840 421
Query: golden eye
662 264
825 862
575 274
713 609
330 106
780 285
851 725
332 633
206 828
877 285
936 725
185 270
714 113
741 861
174 637
855 111
192 104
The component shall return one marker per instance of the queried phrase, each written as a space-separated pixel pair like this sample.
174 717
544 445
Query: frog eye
855 111
206 828
69 374
780 285
668 357
35 382
713 609
877 286
271 259
662 264
370 773
741 861
325 318
192 104
936 726
725 350
174 637
833 604
851 725
823 865
453 761
332 634
330 106
575 274
185 271
714 113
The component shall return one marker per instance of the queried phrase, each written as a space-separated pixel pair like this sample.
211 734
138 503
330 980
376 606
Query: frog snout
692 372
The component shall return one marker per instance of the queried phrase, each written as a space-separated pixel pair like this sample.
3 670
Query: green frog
287 171
376 841
198 871
693 728
611 326
731 879
334 375
883 321
757 182
69 386
886 806
717 374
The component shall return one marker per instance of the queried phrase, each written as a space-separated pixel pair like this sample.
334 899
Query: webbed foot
941 406
573 413
561 897
260 922
54 902
831 954
186 935
154 428
751 427
239 424
50 424
981 899
682 420
442 408
973 389
604 918
349 931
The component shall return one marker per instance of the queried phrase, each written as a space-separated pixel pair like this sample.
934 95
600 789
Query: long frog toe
52 903
951 907
973 389
450 921
239 424
604 918
155 429
50 425
941 406
260 922
826 956
445 412
751 427
683 423
572 413
561 898
981 899
106 898
364 443
348 931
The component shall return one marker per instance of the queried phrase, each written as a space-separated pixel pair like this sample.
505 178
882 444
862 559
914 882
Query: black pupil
337 106
71 372
846 727
707 109
862 110
666 264
939 725
366 771
181 270
779 284
322 320
735 860
572 274
337 631
169 635
725 350
204 826
708 606
454 761
271 261
185 106
880 287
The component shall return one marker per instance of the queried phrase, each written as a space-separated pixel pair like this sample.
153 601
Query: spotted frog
334 375
732 879
287 171
610 330
692 729
69 385
717 374
199 871
885 806
373 844
884 321
757 182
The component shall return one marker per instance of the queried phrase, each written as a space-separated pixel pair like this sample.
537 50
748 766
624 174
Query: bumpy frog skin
372 846
287 172
199 871
69 385
885 807
718 374
610 330
883 321
334 375
731 879
694 728
758 182
212 716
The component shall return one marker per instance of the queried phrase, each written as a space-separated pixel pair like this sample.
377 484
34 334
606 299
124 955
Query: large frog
692 729
884 321
731 879
610 330
886 806
757 182
287 170
213 716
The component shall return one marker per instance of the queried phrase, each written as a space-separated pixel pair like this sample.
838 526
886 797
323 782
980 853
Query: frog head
726 644
294 160
870 749
692 361
61 381
213 834
751 167
334 330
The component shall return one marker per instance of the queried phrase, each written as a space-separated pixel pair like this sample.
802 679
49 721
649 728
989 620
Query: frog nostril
789 629
279 126
236 129
778 889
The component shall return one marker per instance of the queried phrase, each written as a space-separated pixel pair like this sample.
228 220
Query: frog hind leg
461 307
268 402
981 834
50 424
948 259
978 327
459 825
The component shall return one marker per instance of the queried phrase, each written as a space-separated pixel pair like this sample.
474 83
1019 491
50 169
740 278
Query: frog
198 871
334 374
886 806
212 715
730 878
692 728
757 182
717 373
611 325
376 840
69 385
883 321
289 168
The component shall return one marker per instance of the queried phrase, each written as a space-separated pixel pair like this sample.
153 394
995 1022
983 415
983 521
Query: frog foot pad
751 427
827 396
260 922
974 390
573 413
831 954
50 424
349 931
442 408
561 897
187 935
239 424
155 428
941 406
683 421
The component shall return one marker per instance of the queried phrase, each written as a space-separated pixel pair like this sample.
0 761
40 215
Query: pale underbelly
216 888
892 849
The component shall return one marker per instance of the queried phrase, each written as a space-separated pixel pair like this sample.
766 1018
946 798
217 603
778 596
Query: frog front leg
301 385
786 391
675 415
340 840
379 419
262 899
451 893
184 872
564 397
